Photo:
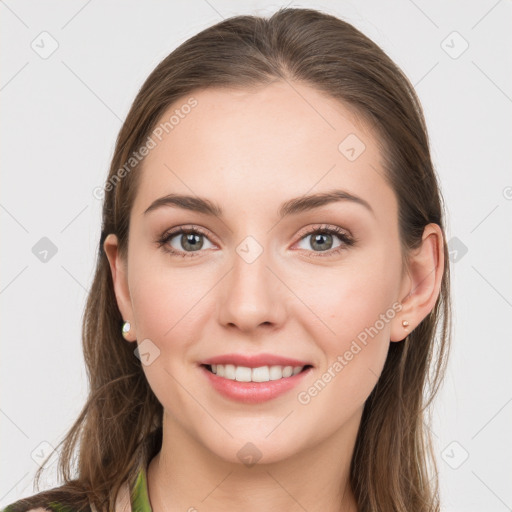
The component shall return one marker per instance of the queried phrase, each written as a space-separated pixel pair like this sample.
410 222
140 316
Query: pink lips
253 392
254 361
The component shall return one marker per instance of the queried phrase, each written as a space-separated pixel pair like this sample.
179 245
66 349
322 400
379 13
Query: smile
254 385
260 374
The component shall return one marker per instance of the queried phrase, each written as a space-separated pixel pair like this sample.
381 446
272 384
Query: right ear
120 282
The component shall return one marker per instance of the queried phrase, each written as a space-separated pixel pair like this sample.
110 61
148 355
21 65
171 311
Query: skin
249 151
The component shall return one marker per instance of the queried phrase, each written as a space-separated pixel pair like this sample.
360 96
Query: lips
253 392
254 360
239 388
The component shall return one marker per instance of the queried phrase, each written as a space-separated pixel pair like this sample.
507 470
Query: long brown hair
393 466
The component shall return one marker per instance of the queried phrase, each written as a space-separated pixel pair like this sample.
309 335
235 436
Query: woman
271 274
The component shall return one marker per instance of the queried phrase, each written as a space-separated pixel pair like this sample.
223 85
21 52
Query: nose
251 295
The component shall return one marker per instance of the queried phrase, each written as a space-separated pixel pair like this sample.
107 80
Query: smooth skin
249 151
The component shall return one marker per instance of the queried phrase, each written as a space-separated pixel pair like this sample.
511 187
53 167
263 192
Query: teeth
260 374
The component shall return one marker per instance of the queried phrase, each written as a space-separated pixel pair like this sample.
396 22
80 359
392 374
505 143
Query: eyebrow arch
290 207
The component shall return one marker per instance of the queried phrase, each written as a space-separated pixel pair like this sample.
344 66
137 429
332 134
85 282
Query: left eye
322 240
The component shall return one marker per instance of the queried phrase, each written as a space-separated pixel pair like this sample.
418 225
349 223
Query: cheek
167 304
349 315
354 339
166 300
343 301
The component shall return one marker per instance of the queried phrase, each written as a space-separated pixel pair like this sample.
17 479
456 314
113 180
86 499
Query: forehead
260 146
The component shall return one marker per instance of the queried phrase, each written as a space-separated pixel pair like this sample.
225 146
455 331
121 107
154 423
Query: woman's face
256 279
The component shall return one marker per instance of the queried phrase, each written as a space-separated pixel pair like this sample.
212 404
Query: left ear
422 282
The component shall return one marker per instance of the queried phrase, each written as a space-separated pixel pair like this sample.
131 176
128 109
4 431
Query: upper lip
255 360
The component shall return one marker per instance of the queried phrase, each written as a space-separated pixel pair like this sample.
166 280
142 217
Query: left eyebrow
304 203
290 207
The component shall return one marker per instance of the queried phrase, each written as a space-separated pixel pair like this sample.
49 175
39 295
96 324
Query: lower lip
253 392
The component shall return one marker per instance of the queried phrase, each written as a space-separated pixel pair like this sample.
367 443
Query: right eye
184 242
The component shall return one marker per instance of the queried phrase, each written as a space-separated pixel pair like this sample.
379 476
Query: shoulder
60 500
38 509
22 506
16 506
45 502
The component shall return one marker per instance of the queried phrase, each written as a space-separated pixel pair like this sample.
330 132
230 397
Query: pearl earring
405 324
126 329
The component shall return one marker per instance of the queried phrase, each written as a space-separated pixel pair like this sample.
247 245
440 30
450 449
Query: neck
186 475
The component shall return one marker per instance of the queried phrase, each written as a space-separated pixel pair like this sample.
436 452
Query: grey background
61 114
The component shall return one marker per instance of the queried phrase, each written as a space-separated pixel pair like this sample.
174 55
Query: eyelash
347 240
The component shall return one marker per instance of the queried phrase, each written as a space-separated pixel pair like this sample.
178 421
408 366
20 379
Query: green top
139 498
139 492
